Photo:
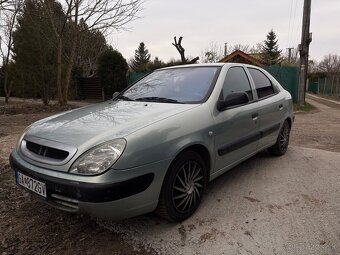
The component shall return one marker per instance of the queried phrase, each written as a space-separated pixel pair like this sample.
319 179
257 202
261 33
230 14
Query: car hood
105 121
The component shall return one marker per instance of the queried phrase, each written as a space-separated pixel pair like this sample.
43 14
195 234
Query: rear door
271 103
236 128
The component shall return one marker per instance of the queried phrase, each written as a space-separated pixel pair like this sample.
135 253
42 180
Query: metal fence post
337 87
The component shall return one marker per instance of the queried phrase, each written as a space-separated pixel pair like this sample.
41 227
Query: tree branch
181 51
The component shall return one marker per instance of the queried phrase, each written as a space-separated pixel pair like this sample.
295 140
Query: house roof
239 56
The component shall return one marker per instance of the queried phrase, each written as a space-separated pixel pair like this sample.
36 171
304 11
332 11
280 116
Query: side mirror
115 95
232 99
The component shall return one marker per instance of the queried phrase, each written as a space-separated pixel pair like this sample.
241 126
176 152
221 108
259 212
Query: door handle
280 107
255 116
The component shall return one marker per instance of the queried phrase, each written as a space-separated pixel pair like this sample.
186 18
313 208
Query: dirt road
287 205
320 128
267 205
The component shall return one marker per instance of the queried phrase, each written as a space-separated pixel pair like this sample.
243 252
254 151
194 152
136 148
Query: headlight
18 145
99 158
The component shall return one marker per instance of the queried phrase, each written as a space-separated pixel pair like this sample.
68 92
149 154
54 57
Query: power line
293 24
298 31
290 19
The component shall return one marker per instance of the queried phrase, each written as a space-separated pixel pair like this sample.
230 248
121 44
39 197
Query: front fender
167 138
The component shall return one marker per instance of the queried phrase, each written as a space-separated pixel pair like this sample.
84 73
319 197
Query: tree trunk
23 86
73 53
181 50
59 72
194 60
69 70
6 98
45 87
8 92
59 67
6 88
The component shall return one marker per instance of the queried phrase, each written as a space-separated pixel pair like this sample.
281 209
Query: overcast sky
202 22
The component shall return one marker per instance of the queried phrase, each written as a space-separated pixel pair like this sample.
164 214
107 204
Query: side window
263 85
237 81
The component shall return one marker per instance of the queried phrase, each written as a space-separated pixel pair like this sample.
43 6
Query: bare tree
330 64
100 15
213 53
7 26
5 5
255 49
88 61
181 50
312 66
242 47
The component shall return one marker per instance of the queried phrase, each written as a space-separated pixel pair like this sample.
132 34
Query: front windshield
178 85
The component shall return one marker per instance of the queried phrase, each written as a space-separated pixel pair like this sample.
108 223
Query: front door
236 128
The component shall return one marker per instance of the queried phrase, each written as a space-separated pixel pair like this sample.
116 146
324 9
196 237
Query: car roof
206 65
194 65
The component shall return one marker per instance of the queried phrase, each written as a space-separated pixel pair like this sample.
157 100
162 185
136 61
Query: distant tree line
142 60
47 45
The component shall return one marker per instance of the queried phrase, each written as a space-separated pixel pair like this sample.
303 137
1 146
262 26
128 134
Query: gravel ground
267 205
27 225
320 128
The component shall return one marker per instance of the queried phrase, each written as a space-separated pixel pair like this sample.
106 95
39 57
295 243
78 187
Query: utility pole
289 54
306 38
225 49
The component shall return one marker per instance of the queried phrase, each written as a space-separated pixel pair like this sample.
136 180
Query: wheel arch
163 209
289 120
201 150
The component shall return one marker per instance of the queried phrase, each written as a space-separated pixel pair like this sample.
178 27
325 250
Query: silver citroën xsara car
155 145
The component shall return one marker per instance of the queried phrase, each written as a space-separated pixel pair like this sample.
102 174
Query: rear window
264 86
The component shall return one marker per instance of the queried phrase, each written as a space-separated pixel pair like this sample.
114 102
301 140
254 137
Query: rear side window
263 85
237 81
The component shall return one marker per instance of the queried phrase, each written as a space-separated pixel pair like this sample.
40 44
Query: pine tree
141 59
270 52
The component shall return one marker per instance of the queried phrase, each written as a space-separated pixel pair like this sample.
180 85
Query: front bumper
116 194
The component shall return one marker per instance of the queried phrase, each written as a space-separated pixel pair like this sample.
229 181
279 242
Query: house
239 56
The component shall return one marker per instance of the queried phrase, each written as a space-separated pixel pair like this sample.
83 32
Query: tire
281 145
183 187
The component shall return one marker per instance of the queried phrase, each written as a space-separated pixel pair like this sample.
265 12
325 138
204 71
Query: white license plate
31 184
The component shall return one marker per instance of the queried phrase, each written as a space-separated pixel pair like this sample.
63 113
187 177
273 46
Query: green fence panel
329 86
133 77
313 87
287 76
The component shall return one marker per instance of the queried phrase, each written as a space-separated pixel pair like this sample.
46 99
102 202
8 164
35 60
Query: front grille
47 152
64 203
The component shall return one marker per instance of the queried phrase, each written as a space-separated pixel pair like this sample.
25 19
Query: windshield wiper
158 99
124 98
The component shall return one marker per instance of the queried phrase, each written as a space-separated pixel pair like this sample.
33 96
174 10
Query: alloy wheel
187 187
284 137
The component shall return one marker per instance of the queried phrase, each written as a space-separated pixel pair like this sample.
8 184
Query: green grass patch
306 107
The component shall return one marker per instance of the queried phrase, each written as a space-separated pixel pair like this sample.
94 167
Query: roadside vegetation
48 47
303 108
